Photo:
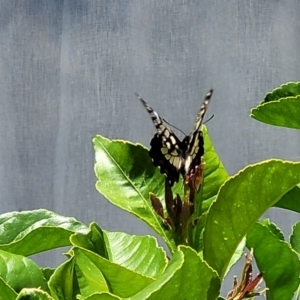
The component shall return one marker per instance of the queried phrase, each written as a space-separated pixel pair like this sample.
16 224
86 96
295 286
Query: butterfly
173 156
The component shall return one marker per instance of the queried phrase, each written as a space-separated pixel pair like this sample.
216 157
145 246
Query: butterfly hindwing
163 158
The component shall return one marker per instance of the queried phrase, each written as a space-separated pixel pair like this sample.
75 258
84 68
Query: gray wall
69 70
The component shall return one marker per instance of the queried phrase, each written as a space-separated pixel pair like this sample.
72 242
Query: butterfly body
173 156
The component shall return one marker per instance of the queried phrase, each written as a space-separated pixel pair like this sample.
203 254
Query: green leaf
290 200
47 272
94 240
61 282
140 254
7 293
215 173
280 107
126 176
33 294
96 274
289 89
295 238
24 232
278 262
273 228
214 176
241 201
186 277
19 272
90 277
137 253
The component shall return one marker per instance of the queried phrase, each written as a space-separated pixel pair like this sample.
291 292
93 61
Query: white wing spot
173 141
164 150
167 133
168 156
187 163
195 149
177 162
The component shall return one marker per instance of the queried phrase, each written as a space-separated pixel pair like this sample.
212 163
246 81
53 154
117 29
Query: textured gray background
69 70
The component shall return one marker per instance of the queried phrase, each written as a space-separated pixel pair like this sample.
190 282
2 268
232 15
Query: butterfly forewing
165 148
172 155
202 111
195 143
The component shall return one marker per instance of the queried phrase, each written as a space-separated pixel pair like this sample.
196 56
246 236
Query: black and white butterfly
175 157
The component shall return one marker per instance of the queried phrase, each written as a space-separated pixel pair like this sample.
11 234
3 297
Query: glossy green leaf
289 89
61 282
291 200
273 228
214 176
33 294
215 173
19 272
48 272
96 275
126 176
137 253
295 238
24 232
281 107
140 254
89 275
241 201
278 262
7 292
186 277
94 240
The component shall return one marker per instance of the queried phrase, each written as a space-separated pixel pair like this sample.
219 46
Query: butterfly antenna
209 119
174 127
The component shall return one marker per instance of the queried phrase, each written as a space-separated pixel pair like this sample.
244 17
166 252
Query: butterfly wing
165 148
202 110
167 159
195 143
